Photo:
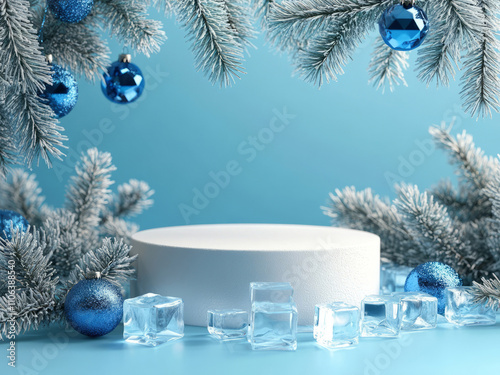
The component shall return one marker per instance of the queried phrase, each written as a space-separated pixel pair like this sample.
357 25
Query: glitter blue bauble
433 278
94 307
62 95
11 220
70 11
403 27
123 82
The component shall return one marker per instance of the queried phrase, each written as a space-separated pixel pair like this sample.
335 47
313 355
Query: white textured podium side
211 266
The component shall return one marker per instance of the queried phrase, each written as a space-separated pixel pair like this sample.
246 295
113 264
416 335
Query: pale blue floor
445 350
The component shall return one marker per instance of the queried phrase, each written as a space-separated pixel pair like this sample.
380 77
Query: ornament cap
93 275
125 57
49 58
408 3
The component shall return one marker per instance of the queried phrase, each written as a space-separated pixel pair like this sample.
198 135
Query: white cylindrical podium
211 266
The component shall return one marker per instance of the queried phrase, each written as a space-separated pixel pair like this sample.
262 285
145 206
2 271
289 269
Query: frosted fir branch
488 291
480 81
112 260
474 166
214 43
455 24
21 56
35 126
119 228
429 222
302 20
78 46
238 15
438 55
363 210
7 144
387 66
127 20
464 205
21 193
32 268
132 199
261 10
330 51
89 191
67 241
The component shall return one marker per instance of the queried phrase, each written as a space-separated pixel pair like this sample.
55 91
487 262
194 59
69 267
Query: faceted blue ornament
70 11
62 95
403 27
94 307
123 82
11 220
433 278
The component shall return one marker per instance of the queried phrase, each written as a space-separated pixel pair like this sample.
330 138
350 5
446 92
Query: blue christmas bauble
433 278
70 11
123 82
11 220
403 27
94 307
62 95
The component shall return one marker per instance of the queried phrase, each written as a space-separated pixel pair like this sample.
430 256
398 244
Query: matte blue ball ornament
11 220
403 27
433 278
62 95
94 307
70 11
123 82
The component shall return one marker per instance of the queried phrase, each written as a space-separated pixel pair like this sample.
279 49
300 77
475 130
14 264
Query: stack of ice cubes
273 317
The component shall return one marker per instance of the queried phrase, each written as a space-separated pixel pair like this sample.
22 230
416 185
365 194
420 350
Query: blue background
183 128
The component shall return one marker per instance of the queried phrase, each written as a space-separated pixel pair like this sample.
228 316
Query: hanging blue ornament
11 220
403 26
94 307
70 11
62 95
433 278
123 82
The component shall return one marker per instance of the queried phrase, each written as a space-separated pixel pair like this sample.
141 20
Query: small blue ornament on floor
403 26
433 278
123 82
62 95
70 11
11 220
94 307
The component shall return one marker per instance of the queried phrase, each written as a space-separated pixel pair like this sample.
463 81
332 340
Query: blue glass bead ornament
70 11
11 220
94 307
403 27
123 82
62 95
433 278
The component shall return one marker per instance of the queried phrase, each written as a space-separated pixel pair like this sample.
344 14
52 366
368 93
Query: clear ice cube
273 326
418 310
152 319
461 310
393 278
271 292
380 316
227 324
336 324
